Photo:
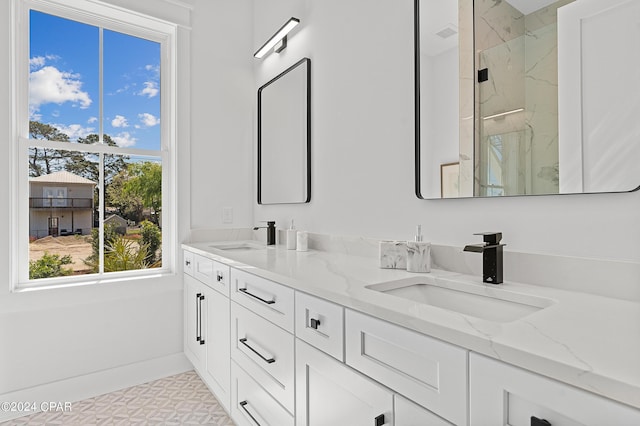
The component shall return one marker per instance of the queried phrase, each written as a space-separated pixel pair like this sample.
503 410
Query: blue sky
64 81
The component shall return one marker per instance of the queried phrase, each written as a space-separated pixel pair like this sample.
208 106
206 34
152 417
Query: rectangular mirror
284 137
526 97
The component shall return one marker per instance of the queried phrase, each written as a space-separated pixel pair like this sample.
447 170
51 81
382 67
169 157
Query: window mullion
101 216
101 195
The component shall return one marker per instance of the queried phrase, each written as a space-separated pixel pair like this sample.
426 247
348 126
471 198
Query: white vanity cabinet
330 393
262 343
193 322
501 394
207 323
426 370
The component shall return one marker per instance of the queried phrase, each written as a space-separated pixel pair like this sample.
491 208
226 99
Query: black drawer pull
314 323
201 298
379 421
188 262
243 405
219 276
268 302
539 422
198 317
267 360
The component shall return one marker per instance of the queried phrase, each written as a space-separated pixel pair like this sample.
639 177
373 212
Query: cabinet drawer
504 394
426 370
251 405
410 414
266 298
321 324
212 273
187 258
265 351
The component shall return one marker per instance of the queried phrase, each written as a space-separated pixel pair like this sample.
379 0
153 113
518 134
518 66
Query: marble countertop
586 340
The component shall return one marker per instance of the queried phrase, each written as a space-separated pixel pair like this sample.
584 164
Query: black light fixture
278 40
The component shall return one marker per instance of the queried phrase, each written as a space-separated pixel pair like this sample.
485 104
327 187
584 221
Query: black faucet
271 232
491 256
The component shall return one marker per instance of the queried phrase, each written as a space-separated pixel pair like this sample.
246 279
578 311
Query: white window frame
113 18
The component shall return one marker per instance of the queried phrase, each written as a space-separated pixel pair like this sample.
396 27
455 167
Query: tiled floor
177 400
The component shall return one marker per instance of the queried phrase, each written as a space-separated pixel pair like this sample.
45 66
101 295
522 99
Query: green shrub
49 265
124 255
152 238
110 235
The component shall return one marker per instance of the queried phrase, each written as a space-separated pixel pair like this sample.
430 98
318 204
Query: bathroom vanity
326 337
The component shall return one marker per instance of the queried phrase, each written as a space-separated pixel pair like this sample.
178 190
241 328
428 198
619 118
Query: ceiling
528 6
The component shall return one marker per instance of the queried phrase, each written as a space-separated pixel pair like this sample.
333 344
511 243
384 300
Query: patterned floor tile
178 400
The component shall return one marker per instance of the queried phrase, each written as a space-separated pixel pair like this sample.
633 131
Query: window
94 144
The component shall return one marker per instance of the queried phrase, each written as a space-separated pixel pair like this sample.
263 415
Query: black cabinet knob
539 422
379 421
314 323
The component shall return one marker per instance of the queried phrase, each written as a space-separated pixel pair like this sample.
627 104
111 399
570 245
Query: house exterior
119 222
60 203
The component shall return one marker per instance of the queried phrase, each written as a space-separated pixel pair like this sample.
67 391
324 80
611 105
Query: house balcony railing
61 203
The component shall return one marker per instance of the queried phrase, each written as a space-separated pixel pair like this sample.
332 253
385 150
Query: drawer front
188 262
426 370
251 405
271 300
507 395
265 351
321 324
410 414
214 274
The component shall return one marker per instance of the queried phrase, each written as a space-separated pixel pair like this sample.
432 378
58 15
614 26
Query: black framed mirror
526 97
284 136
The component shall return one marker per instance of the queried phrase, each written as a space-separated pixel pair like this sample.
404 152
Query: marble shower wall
521 55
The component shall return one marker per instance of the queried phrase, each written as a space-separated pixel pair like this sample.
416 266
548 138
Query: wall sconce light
278 40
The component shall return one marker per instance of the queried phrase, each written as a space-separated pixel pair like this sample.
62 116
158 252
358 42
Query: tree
129 206
151 238
49 265
145 181
43 161
87 165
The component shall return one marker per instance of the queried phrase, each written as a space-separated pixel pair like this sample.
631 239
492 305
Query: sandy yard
77 246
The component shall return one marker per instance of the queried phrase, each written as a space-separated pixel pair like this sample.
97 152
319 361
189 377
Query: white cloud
75 131
149 120
124 140
119 121
92 120
37 61
150 89
50 85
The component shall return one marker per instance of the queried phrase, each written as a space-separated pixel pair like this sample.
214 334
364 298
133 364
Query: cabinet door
217 344
330 393
501 394
194 305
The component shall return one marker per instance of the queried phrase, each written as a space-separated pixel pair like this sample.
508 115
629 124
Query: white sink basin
238 245
488 302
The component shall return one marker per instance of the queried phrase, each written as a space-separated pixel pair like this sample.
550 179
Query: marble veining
552 341
393 254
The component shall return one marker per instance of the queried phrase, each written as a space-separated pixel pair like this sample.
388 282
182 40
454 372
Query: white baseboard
95 384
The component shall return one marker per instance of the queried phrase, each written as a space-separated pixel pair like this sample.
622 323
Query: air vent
448 31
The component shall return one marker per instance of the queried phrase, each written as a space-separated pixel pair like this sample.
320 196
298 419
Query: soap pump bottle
291 237
418 254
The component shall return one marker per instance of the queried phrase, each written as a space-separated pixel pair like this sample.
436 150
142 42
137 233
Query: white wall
362 145
221 105
56 334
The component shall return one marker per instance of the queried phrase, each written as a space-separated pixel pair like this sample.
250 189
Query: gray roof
62 177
